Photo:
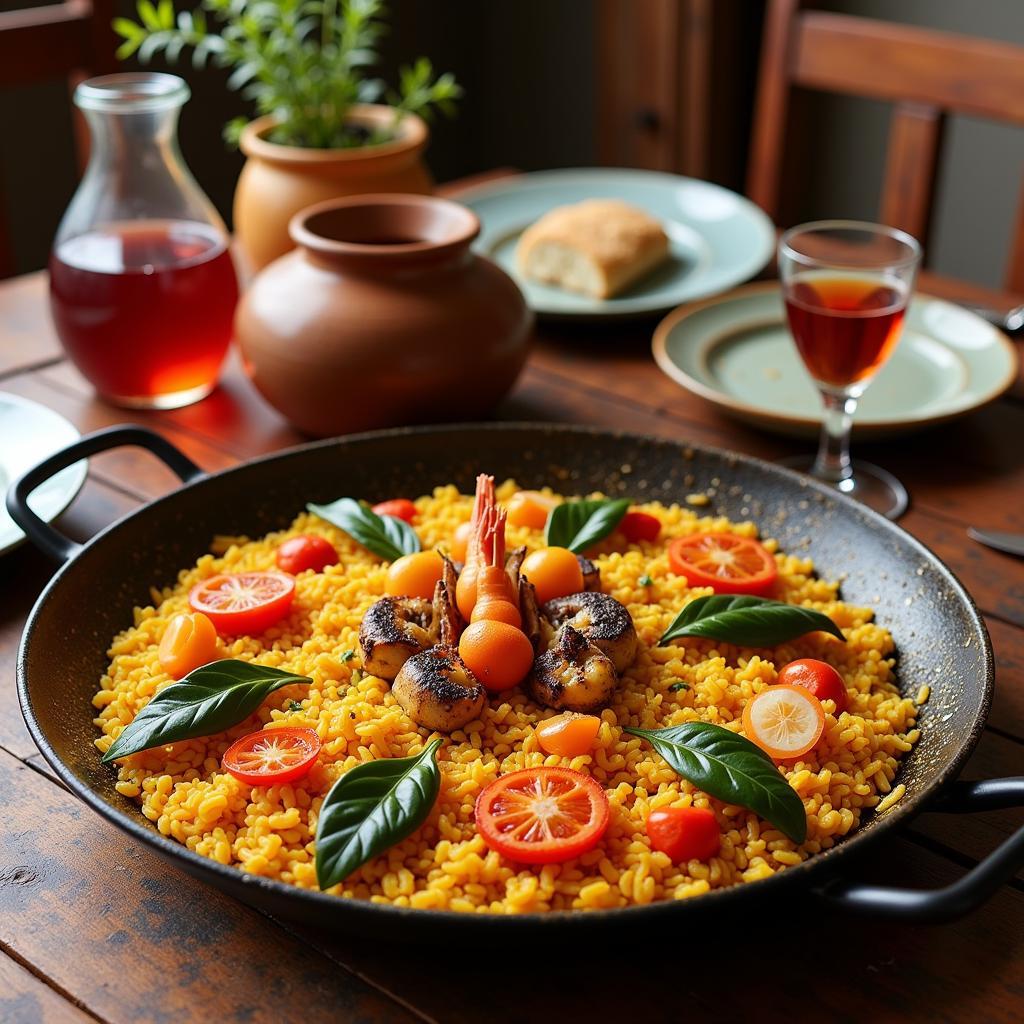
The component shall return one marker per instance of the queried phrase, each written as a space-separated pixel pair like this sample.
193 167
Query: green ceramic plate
717 238
736 351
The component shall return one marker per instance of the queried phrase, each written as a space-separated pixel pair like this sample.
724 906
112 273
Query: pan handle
970 892
44 536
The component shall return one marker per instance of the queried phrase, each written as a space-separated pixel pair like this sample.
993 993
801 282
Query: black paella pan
941 639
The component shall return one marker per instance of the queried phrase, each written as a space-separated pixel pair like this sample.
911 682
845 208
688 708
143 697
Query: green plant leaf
372 807
386 536
127 28
578 524
208 700
730 768
747 621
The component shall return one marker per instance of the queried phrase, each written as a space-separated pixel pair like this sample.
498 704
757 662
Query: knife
1011 543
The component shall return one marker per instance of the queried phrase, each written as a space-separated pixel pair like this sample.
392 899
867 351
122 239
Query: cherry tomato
460 541
244 602
554 572
190 640
542 815
784 721
638 526
400 508
272 757
569 734
684 833
498 654
727 563
297 554
414 575
819 678
529 508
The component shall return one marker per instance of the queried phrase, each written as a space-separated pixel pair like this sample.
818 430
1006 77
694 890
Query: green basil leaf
372 807
729 767
208 700
386 536
578 524
747 621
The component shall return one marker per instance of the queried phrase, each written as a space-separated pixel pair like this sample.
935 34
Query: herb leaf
729 767
386 536
208 700
372 807
578 524
747 621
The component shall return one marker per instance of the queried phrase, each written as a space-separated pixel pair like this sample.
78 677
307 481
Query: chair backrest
926 75
70 40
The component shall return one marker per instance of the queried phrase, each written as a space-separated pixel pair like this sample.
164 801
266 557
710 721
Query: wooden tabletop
95 927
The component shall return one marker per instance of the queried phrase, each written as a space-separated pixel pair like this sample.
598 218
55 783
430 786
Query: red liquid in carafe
145 308
844 328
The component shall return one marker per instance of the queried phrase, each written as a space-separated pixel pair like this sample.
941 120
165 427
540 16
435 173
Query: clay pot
383 316
277 181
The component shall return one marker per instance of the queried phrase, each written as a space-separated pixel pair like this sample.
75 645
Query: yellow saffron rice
445 864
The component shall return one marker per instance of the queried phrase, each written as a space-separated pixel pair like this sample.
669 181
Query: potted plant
307 67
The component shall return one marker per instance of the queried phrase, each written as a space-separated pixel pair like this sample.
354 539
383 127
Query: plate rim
81 467
637 307
659 349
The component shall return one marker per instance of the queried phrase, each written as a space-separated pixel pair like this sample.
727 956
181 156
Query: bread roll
598 247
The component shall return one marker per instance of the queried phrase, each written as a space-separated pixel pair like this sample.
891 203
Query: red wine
845 328
145 308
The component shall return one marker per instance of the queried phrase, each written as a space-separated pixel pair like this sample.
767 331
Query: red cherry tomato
272 757
244 602
638 526
818 678
684 833
542 815
724 561
306 552
400 508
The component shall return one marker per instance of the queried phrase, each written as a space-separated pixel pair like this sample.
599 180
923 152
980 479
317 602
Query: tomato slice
400 508
785 721
724 561
542 815
244 602
272 757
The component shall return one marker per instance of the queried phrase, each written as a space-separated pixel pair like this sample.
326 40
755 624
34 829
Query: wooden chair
70 40
924 73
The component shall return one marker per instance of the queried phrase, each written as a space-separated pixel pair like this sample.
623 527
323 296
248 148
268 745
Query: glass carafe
142 287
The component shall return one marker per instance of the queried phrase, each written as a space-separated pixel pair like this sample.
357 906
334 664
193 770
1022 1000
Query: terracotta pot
383 316
278 181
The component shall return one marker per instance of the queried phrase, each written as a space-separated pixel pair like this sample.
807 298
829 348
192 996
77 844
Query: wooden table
94 927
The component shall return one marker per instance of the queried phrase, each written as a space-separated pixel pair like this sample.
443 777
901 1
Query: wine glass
846 285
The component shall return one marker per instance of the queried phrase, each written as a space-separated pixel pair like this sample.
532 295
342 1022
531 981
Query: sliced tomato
400 508
244 602
272 757
785 721
542 815
724 561
638 526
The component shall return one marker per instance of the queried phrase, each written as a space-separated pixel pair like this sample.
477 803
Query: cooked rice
445 864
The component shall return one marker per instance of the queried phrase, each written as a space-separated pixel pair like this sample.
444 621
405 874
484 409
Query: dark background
532 77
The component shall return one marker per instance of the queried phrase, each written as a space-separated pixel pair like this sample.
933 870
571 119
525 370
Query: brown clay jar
278 181
383 316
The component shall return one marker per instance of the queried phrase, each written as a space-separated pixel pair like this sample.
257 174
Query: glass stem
833 460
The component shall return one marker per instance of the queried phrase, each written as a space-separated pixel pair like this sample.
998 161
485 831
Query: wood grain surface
94 927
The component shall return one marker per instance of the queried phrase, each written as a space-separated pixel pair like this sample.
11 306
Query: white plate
717 238
736 351
29 433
